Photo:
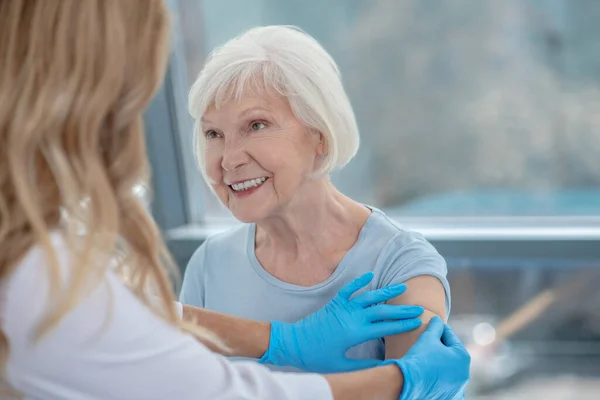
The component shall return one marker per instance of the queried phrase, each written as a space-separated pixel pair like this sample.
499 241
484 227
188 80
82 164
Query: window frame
169 135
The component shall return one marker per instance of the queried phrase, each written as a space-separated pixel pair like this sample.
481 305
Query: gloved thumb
435 329
449 338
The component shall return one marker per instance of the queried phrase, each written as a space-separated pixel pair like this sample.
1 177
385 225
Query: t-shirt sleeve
192 287
111 346
409 255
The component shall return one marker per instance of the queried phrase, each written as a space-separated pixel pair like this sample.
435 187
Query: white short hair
289 62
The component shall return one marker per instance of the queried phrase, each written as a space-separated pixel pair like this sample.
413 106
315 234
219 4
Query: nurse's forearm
244 337
382 383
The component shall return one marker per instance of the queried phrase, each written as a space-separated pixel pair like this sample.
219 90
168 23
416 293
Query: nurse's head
75 78
272 121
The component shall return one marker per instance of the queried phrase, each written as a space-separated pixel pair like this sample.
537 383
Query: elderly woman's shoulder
402 253
394 232
392 225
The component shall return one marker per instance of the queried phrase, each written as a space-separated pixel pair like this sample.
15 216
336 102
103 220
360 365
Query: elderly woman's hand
318 342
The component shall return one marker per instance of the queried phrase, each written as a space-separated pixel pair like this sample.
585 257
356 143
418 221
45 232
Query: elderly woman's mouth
246 185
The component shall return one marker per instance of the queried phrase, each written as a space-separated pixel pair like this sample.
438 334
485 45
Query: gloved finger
382 312
383 329
355 365
449 338
434 330
350 288
380 295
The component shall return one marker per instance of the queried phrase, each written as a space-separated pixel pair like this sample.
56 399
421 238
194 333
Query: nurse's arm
426 291
245 338
251 339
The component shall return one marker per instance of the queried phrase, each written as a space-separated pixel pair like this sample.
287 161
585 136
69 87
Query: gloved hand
318 342
436 367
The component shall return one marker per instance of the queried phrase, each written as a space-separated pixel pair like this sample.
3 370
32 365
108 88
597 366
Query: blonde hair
286 61
75 78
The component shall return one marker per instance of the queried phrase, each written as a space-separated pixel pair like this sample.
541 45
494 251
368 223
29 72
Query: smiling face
258 155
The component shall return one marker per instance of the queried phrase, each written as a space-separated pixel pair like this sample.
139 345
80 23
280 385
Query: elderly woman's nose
234 155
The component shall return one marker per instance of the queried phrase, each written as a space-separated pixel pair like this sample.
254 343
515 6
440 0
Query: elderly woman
272 122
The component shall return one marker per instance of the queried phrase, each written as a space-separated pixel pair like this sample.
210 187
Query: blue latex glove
436 367
318 343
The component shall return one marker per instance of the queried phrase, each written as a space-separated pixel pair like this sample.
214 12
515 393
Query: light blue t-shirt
224 275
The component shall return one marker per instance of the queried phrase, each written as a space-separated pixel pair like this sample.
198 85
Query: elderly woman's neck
322 222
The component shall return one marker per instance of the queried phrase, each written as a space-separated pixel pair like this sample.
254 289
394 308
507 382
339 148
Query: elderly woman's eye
211 134
257 126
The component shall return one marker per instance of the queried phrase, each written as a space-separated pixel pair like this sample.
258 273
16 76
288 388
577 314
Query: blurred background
480 128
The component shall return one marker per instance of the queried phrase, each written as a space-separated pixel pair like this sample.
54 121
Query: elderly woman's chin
249 215
250 208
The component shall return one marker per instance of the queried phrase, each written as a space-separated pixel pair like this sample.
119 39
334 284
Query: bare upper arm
426 291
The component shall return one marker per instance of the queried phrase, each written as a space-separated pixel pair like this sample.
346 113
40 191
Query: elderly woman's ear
322 146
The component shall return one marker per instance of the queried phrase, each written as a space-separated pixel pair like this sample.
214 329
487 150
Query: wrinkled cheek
222 192
213 171
215 177
283 188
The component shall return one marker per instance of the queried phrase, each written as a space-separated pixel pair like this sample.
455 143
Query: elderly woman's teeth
248 184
